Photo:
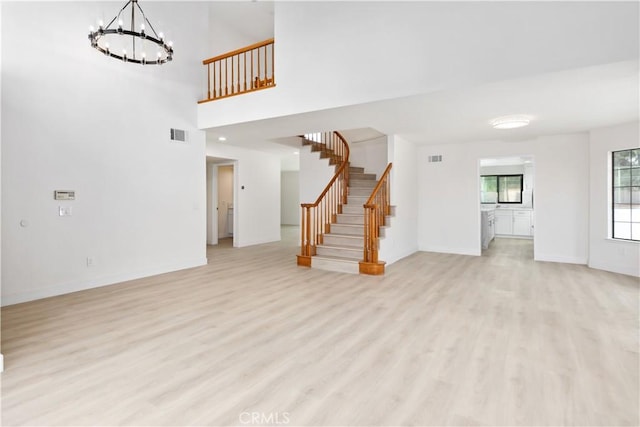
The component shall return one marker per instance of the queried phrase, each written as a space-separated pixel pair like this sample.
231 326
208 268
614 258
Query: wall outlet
65 210
91 261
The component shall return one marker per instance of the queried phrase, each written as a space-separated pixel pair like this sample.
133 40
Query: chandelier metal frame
165 54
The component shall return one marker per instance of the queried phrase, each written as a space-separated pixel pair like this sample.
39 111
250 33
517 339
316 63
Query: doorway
221 207
225 207
507 209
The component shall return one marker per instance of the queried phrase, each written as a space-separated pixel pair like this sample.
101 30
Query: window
501 189
626 194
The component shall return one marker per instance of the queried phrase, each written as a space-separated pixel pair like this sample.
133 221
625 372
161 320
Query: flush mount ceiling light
510 122
129 45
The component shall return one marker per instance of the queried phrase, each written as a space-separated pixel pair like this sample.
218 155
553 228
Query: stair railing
317 217
240 71
376 210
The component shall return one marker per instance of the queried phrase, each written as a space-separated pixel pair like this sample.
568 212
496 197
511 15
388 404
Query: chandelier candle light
145 48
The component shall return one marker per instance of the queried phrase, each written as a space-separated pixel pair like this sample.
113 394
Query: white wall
502 170
449 195
331 54
400 239
605 253
77 120
259 174
290 198
236 24
315 174
371 155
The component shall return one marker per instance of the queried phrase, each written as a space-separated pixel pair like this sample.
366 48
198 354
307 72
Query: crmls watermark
264 418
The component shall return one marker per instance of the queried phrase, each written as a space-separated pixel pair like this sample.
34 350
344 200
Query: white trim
454 251
1 363
620 269
513 236
632 242
96 283
561 259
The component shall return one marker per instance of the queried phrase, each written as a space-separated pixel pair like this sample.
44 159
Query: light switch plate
65 210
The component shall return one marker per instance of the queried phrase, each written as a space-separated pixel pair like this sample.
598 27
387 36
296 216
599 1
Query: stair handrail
317 217
376 209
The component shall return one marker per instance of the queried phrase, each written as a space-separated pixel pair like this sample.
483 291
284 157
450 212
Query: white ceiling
562 102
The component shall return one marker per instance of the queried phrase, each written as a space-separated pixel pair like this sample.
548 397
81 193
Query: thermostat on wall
64 195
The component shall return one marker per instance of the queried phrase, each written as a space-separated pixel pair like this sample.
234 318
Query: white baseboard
626 270
561 259
512 236
454 251
390 257
67 288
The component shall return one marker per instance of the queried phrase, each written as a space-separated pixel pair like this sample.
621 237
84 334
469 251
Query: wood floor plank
440 339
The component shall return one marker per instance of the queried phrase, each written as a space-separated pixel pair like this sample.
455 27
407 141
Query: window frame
612 192
498 188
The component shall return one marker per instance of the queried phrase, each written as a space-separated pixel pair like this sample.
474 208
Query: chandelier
129 45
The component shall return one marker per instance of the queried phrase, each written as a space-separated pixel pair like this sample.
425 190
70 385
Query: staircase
341 230
342 247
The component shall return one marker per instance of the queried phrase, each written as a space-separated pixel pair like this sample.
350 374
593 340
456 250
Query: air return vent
178 135
435 159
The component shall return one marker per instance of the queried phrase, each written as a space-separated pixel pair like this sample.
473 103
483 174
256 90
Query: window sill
632 242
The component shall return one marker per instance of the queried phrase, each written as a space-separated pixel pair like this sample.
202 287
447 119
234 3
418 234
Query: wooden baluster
273 69
315 226
374 242
366 235
233 84
252 84
226 70
213 65
238 86
219 78
303 226
259 68
208 81
244 75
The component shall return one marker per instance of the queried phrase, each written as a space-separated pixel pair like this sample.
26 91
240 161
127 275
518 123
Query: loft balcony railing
240 71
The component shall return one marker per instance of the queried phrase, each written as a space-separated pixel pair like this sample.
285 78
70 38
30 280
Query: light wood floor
439 340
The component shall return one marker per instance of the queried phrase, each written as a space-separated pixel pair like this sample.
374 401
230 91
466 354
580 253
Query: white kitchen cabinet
522 223
513 222
503 222
488 227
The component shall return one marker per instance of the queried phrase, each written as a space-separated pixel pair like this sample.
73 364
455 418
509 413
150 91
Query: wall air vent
178 135
435 159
